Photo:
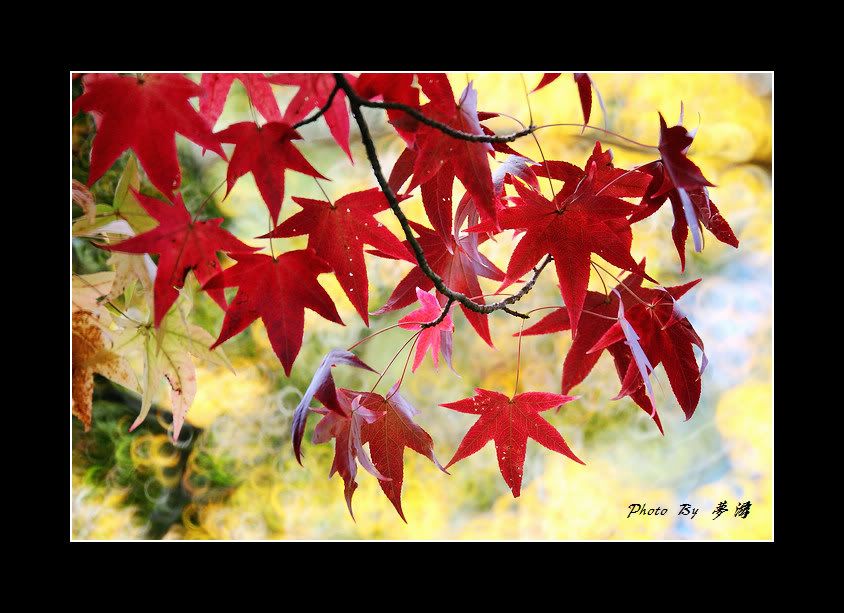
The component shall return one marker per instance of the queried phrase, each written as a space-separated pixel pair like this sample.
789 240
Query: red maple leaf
345 427
143 114
215 90
665 336
674 143
704 210
182 244
322 388
577 223
389 435
314 90
510 422
434 337
278 290
337 232
458 263
436 150
265 151
677 177
599 314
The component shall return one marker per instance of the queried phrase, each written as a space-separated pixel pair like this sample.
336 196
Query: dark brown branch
320 112
439 284
444 128
447 306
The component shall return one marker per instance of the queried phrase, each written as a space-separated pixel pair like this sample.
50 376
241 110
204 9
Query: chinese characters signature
742 510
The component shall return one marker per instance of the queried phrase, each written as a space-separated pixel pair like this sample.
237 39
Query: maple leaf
91 353
433 337
656 330
321 387
599 314
393 87
144 114
91 344
574 225
166 353
265 151
314 90
438 152
458 263
510 422
124 207
389 435
215 90
704 211
337 231
345 427
278 290
675 175
183 245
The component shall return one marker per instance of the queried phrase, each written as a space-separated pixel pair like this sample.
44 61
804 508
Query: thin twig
356 100
320 112
447 306
609 132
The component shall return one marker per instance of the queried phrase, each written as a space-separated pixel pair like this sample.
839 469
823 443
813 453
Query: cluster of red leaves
590 215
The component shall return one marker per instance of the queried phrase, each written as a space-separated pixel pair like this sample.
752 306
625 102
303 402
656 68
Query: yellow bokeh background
723 453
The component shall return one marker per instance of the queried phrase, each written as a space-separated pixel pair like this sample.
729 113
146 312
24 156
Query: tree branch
320 112
444 128
447 306
356 103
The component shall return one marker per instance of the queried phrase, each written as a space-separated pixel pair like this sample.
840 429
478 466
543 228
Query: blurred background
235 477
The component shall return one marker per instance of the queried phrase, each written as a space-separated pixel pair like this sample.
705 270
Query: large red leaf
265 151
278 290
389 435
337 233
182 244
144 114
510 422
579 222
703 210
